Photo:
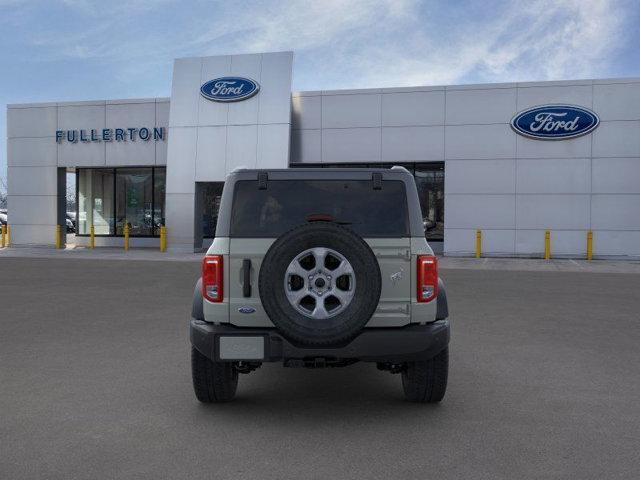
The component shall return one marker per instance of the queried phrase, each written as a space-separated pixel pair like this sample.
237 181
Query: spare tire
320 284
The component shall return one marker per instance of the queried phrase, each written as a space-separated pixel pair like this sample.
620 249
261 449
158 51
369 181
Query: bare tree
3 193
71 193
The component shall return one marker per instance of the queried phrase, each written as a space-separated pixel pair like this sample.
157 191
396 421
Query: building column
62 204
180 222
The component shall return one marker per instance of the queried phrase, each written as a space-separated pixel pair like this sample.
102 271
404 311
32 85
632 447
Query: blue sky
96 49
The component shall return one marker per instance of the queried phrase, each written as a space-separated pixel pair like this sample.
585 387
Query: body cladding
555 122
229 89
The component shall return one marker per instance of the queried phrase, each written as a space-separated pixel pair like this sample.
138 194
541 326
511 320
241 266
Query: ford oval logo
555 122
246 310
229 89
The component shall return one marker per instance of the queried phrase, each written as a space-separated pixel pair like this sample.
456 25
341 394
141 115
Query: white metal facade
511 187
33 156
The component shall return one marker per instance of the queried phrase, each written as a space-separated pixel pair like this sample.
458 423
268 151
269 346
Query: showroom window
430 184
110 198
95 201
211 195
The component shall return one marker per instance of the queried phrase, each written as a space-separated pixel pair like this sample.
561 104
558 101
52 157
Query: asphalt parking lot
95 383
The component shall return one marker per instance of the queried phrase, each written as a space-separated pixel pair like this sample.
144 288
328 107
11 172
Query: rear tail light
427 278
212 284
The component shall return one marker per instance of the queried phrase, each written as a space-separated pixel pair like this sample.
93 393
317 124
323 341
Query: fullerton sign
111 135
555 122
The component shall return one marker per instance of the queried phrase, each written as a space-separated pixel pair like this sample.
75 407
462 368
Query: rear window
285 204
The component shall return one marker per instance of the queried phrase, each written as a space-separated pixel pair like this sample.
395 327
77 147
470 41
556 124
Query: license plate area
241 347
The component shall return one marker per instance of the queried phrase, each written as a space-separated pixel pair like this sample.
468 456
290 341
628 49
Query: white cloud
338 44
364 43
555 39
542 40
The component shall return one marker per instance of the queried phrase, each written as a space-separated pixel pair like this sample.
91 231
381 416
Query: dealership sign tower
226 112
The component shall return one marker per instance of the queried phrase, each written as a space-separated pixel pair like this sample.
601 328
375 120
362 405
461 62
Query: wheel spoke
296 296
319 254
296 269
343 269
322 284
320 312
344 296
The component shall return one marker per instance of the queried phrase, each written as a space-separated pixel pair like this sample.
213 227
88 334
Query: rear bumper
392 345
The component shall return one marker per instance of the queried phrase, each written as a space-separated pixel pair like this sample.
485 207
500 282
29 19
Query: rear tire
213 382
426 382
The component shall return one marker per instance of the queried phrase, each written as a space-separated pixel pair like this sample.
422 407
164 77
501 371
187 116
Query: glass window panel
134 200
95 201
212 193
287 203
430 184
159 194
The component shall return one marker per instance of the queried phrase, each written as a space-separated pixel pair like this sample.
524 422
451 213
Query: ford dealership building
512 160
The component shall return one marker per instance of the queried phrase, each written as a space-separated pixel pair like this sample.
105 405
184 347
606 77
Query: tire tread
426 381
213 382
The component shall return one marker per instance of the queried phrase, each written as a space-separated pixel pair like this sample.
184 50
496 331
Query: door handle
246 277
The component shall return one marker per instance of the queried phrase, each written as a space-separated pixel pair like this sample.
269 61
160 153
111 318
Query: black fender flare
197 310
442 311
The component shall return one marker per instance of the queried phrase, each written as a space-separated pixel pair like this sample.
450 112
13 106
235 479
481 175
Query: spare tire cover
319 284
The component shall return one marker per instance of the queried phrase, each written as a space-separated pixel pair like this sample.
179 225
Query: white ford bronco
320 267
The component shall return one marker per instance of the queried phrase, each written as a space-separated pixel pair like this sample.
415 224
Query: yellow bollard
589 245
126 237
8 235
3 231
478 243
92 237
58 237
547 244
163 238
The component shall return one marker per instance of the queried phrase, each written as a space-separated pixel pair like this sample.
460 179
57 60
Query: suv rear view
317 268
